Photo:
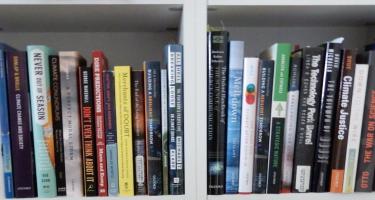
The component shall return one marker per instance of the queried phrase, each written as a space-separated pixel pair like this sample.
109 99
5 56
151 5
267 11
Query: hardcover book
164 128
69 63
247 137
217 110
139 137
124 129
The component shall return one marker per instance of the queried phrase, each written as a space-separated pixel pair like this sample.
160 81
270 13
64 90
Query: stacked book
290 120
73 129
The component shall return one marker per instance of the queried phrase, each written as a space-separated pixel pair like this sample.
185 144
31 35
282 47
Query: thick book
247 123
340 134
174 56
366 160
41 112
330 87
217 110
139 132
87 118
280 54
153 128
124 129
6 152
99 64
262 125
110 131
54 67
291 122
236 67
308 116
20 125
164 128
69 63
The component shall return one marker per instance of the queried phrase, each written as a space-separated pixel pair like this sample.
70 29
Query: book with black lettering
54 67
263 126
340 135
330 87
308 117
217 110
86 102
366 161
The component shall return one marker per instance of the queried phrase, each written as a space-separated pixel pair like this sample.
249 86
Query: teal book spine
41 109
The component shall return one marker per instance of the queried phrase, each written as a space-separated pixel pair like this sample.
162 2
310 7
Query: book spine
262 126
98 67
41 109
217 110
153 128
4 132
176 119
279 97
57 125
236 66
340 138
249 93
90 179
20 125
291 122
110 132
124 129
366 161
164 128
330 89
139 137
307 119
71 123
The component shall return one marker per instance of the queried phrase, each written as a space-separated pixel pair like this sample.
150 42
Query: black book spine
331 80
57 125
308 116
366 160
89 160
217 110
263 119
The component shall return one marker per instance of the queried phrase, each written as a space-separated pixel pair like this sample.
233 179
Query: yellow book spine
124 130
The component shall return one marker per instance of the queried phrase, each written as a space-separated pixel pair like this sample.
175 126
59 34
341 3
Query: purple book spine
21 132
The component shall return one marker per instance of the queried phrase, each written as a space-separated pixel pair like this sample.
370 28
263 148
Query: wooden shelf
288 2
294 196
92 2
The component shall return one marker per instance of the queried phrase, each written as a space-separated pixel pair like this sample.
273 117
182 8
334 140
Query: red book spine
99 64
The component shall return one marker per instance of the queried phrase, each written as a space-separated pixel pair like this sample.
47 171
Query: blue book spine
236 62
110 130
4 130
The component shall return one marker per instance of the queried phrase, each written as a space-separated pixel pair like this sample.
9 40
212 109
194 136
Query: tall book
164 128
139 132
340 135
99 64
291 122
247 137
280 53
330 87
41 110
236 67
69 63
86 106
366 160
174 57
307 119
153 128
5 147
262 126
110 131
217 110
124 129
54 67
20 125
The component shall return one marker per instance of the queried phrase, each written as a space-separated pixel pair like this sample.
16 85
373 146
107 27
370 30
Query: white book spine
355 126
250 75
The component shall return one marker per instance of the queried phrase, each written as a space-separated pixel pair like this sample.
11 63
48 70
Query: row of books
289 120
72 129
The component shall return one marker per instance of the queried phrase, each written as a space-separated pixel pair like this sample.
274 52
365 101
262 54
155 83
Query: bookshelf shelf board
161 197
290 2
92 2
294 196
